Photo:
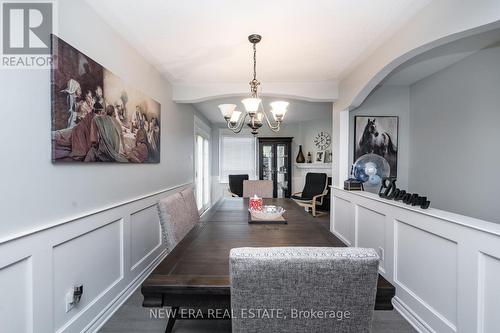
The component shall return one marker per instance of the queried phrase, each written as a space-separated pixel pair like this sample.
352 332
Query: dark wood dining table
196 273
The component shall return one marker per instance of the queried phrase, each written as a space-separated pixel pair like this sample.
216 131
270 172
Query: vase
309 157
300 156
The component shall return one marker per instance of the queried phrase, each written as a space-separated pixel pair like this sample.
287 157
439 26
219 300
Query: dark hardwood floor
131 317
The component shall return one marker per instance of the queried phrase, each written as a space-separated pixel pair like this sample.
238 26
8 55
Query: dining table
195 274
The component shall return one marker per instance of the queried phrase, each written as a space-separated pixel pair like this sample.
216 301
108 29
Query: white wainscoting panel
76 262
343 220
16 302
489 293
109 252
145 235
374 237
445 267
418 254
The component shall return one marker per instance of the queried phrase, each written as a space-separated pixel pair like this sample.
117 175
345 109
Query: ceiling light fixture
254 110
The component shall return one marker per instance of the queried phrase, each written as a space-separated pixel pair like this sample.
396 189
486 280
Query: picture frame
377 135
96 116
319 157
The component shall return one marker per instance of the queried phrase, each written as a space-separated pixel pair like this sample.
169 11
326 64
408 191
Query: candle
255 203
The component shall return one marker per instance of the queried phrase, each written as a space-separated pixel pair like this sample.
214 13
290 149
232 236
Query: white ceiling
193 41
298 111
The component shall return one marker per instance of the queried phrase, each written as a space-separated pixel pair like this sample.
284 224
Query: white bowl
267 213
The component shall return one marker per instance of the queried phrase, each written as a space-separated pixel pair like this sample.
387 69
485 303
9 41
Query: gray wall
455 136
388 101
303 134
36 193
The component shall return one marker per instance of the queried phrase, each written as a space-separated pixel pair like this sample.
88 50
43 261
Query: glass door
202 174
275 164
267 162
281 170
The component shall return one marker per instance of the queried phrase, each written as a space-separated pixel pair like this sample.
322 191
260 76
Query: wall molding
410 316
120 299
62 221
65 255
444 216
435 259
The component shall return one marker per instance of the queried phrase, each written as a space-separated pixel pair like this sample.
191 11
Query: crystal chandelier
254 110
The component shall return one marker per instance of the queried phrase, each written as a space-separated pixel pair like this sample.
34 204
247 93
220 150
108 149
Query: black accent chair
236 185
315 189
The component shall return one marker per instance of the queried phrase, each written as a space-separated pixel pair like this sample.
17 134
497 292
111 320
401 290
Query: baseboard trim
211 211
25 233
121 298
410 316
342 238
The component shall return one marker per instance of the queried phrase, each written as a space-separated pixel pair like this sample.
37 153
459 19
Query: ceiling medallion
254 110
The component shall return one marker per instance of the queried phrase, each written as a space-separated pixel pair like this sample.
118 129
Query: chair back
261 188
236 184
339 282
316 183
178 215
191 206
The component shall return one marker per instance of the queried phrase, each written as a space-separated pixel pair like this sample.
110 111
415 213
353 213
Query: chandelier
254 110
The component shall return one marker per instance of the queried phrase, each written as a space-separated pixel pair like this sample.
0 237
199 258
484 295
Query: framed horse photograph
377 135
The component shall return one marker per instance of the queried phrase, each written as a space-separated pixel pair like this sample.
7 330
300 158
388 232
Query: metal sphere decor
370 169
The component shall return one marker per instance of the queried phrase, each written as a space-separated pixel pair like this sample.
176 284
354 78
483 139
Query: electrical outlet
381 253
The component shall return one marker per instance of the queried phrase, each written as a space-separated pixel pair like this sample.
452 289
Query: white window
237 156
202 164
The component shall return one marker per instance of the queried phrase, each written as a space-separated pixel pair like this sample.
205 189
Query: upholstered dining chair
236 185
315 189
178 214
261 188
341 283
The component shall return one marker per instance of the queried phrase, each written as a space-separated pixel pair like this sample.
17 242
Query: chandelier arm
274 128
238 127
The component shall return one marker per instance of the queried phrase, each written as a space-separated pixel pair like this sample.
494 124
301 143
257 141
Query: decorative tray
268 215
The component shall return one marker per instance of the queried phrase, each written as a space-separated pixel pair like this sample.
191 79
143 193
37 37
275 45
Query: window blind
237 156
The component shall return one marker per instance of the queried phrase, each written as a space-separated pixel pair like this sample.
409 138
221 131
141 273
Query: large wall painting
96 116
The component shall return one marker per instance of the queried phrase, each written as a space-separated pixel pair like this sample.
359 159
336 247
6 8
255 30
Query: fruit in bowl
268 213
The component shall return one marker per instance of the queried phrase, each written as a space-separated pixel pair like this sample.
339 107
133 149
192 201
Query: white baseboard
342 238
211 210
110 310
109 252
411 316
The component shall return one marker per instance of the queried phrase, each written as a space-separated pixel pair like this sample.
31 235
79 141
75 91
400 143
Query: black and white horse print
373 141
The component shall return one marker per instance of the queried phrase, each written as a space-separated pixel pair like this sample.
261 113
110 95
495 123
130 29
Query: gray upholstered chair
192 209
178 215
261 188
341 282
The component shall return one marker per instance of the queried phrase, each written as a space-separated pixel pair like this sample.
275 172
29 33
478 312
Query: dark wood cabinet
275 163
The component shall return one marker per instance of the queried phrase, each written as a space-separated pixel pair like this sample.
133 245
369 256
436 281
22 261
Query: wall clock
322 140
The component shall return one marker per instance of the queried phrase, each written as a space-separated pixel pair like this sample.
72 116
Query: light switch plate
69 301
